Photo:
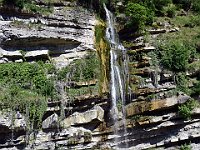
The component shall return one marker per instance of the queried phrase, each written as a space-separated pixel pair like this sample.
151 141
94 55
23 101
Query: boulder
96 113
50 122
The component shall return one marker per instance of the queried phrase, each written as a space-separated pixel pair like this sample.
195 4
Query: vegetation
175 55
185 110
27 76
186 147
26 87
138 15
103 51
27 5
82 70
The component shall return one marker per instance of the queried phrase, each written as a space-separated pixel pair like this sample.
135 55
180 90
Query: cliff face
84 121
69 30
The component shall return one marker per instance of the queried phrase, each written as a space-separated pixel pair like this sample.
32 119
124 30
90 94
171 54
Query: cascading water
119 73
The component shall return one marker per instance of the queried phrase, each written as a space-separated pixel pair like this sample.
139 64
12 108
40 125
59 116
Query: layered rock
63 33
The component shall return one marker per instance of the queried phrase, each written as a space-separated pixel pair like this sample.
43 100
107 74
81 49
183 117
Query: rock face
152 118
97 113
57 35
50 122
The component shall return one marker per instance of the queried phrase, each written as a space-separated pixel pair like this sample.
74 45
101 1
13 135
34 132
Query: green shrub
193 21
196 89
160 4
138 15
175 55
182 83
185 147
82 70
25 101
196 5
27 76
28 5
185 110
170 10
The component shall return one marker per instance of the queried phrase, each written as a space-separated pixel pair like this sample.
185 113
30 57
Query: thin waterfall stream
119 76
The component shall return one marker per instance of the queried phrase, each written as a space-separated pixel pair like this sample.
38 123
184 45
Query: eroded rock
97 113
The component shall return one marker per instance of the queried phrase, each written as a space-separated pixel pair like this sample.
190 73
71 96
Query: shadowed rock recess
79 117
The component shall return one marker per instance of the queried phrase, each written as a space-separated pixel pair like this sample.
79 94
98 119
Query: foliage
186 147
18 99
159 4
193 21
28 5
25 88
88 90
185 4
196 5
137 14
185 110
82 70
170 10
18 3
175 55
182 82
196 89
27 76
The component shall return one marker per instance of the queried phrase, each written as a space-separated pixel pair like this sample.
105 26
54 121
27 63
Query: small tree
185 110
137 13
175 56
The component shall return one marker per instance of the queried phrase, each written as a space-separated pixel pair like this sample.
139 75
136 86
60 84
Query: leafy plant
182 82
82 70
175 55
196 89
186 147
137 14
185 110
170 10
28 5
27 76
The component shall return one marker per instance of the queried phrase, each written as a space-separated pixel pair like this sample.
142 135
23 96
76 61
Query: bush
160 4
138 15
27 76
14 98
185 110
196 5
169 10
196 89
182 83
185 147
82 70
175 55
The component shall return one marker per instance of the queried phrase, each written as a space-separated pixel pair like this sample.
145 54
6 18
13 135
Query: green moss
103 51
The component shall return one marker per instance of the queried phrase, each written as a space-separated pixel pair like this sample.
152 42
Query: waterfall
119 73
